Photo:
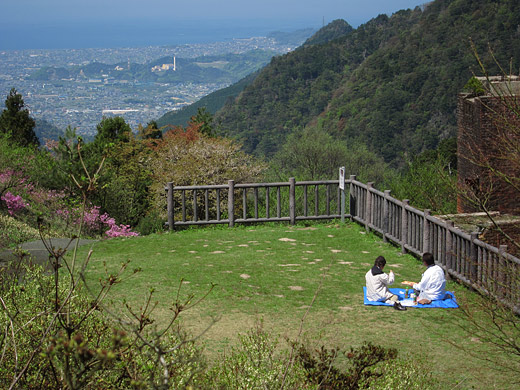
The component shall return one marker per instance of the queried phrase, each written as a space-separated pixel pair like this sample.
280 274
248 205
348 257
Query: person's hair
380 262
428 258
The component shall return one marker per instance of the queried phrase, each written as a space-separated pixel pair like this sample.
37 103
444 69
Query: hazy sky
33 24
310 11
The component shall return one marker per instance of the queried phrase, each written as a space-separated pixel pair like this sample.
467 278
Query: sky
19 19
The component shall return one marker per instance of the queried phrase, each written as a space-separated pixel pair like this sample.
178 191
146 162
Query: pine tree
16 122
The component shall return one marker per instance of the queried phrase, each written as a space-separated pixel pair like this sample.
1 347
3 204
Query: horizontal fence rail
463 256
253 202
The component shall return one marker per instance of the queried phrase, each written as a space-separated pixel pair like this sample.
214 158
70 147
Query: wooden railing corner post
169 194
352 198
231 203
292 201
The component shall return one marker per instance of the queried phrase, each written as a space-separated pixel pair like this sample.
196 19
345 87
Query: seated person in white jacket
378 282
433 282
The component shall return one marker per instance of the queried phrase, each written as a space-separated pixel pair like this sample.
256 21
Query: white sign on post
342 178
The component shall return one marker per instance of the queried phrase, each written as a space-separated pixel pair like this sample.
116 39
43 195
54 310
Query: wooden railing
463 256
253 202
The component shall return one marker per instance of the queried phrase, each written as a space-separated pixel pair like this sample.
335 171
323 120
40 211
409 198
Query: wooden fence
479 265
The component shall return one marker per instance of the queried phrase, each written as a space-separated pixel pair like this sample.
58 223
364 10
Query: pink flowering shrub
44 196
11 179
14 203
9 175
93 220
120 231
60 210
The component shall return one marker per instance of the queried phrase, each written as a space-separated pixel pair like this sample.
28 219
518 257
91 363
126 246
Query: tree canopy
391 84
16 122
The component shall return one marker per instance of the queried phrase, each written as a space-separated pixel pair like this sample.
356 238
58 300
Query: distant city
82 102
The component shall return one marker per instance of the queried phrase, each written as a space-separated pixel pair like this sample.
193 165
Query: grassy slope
259 275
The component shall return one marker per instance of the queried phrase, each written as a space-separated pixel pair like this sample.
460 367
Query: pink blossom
12 177
14 203
64 212
94 220
120 231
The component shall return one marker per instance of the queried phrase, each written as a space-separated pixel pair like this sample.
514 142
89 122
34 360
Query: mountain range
391 83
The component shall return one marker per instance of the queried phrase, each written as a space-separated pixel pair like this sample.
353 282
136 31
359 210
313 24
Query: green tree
205 120
312 154
112 130
185 157
125 181
16 122
13 159
428 183
151 131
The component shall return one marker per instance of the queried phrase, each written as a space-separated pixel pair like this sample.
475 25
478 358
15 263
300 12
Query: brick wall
494 237
483 124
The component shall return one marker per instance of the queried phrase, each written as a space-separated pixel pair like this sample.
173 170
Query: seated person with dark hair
378 282
433 282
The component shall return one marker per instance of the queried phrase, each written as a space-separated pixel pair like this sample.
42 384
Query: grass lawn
271 273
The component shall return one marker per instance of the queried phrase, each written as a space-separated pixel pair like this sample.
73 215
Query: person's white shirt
433 283
377 285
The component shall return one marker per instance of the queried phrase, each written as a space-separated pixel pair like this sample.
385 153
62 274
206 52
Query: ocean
67 35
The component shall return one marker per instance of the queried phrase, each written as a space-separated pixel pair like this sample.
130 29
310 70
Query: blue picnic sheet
449 302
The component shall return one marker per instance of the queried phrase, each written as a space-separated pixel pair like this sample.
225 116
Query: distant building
118 111
489 136
165 67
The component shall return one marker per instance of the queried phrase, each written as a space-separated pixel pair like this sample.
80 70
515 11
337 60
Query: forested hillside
216 100
333 30
392 83
212 103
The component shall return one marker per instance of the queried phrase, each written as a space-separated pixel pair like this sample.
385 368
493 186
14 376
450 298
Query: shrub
403 374
14 232
322 371
255 364
14 203
150 223
188 158
55 335
124 182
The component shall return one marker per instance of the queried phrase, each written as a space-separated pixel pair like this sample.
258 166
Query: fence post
368 206
231 202
473 253
404 226
426 232
352 199
169 190
386 212
449 246
195 209
342 206
502 270
292 201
